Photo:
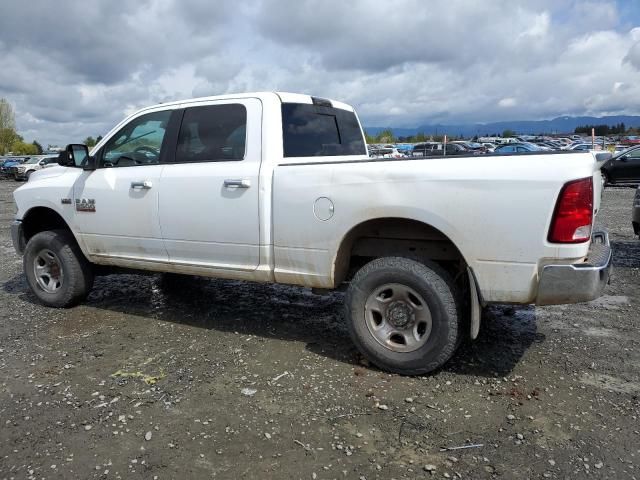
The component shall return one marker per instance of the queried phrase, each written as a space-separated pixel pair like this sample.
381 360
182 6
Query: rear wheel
404 316
56 270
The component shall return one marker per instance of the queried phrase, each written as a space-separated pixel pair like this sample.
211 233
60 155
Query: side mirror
623 158
77 155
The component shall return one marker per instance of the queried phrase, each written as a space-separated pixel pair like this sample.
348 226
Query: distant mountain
524 127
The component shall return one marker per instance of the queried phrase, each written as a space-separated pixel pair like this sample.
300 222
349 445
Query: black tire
433 287
27 175
72 277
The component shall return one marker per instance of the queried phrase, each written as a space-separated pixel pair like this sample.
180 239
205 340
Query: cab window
212 133
319 131
138 143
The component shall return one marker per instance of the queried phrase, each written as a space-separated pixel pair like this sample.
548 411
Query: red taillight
573 216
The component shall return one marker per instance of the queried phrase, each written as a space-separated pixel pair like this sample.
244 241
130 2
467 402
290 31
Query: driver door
116 205
630 167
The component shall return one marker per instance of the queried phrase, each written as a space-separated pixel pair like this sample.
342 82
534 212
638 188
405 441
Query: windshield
32 160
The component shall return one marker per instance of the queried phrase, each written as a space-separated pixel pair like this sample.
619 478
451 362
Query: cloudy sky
73 69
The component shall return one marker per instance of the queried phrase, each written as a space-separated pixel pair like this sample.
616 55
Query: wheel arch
39 219
393 236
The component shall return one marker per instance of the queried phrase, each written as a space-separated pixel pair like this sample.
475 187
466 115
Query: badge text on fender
85 205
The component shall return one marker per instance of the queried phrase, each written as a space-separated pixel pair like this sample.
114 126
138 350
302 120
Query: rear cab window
212 133
310 130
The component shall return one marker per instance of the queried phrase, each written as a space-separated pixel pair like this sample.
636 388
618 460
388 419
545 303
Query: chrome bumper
17 236
579 282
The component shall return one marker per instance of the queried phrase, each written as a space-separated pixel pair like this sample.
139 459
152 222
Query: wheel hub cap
398 317
47 270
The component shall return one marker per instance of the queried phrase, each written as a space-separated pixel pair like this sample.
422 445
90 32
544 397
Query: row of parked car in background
21 168
623 167
525 143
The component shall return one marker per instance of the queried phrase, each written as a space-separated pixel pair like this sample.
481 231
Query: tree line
10 140
387 136
602 130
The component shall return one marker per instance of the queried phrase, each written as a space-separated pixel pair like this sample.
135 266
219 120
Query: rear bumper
17 236
580 282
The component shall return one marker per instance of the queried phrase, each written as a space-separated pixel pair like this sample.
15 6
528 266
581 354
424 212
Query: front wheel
56 270
404 316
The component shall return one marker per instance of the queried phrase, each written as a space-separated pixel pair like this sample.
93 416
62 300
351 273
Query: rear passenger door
209 194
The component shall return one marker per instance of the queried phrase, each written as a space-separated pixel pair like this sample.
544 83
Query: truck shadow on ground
626 253
291 314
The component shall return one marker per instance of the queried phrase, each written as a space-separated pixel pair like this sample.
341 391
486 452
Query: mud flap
475 306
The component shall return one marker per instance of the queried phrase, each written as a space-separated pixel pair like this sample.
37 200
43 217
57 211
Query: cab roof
284 97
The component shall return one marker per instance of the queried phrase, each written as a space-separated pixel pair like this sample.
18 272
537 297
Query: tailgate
600 158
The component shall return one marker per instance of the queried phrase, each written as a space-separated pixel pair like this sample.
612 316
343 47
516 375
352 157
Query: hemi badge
66 201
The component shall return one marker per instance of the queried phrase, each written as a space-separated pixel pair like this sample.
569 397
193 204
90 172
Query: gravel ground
208 378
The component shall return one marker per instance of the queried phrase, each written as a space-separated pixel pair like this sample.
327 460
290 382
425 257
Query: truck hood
49 172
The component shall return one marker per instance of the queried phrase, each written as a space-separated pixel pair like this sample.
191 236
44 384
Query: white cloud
539 28
633 56
401 63
507 102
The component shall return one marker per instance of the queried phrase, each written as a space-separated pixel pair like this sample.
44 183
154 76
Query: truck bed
496 209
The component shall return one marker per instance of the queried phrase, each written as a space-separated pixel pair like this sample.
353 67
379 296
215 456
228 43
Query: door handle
238 183
146 184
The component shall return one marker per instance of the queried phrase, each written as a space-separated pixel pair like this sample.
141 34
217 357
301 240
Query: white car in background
24 170
490 147
392 153
585 147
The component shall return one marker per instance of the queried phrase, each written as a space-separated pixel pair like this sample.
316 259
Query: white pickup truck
278 187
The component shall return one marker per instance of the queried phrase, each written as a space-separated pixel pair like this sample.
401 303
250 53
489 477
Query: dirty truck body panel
496 210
